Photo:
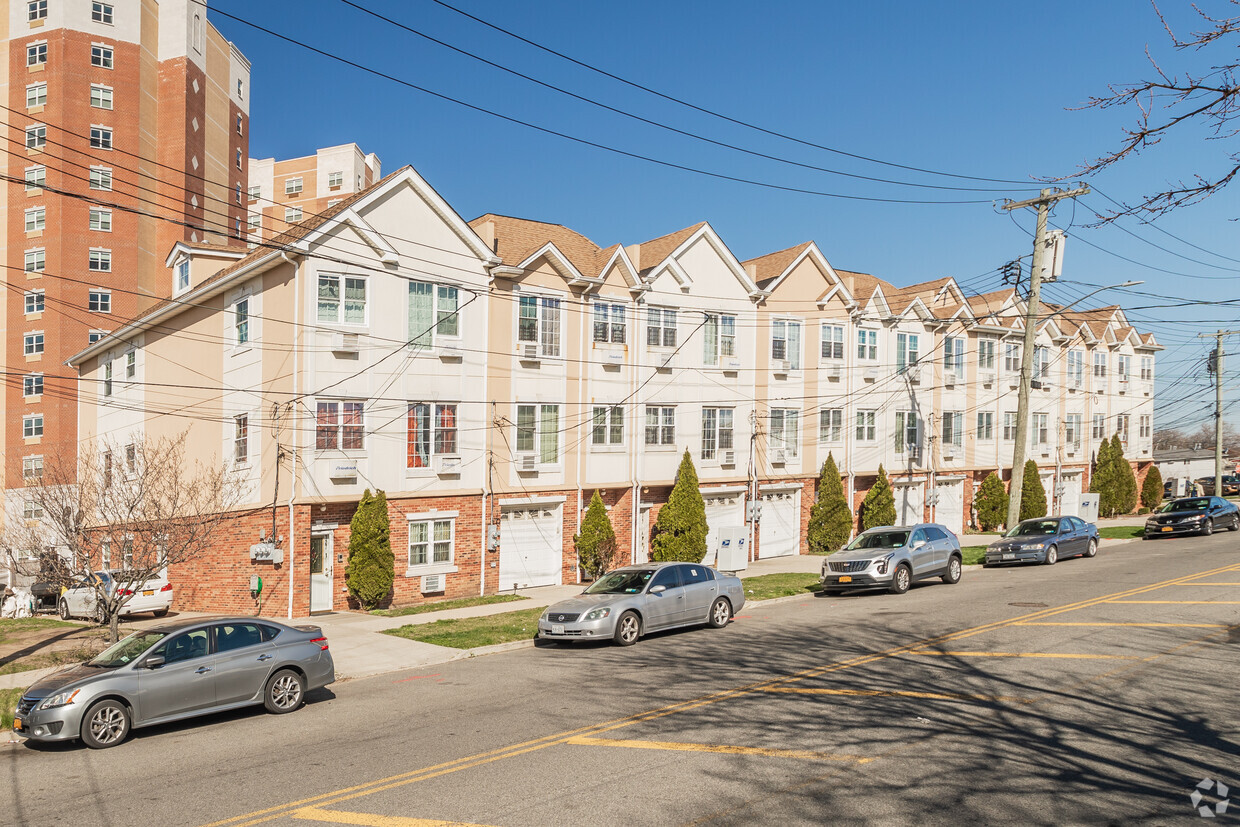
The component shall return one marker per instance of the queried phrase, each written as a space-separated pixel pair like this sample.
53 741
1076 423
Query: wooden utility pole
1217 366
1043 203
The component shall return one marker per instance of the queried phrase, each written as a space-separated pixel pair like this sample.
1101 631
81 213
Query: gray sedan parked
629 602
177 670
1044 540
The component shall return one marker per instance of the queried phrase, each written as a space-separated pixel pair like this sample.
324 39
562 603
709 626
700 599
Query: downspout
486 482
635 415
292 492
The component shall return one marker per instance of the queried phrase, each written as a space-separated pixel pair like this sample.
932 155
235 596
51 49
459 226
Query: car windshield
630 581
126 650
880 539
1034 528
1195 504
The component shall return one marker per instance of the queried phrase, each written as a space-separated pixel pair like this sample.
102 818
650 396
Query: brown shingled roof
772 265
520 238
652 253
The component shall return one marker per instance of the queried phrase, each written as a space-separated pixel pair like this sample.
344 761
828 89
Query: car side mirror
919 544
153 662
658 589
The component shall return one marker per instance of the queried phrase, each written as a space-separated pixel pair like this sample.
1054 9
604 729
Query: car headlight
62 699
881 563
597 614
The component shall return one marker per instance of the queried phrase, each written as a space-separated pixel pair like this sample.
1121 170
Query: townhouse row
490 375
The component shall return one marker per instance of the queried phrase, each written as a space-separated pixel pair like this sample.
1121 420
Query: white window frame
32 385
36 260
785 430
101 97
606 314
102 55
866 428
36 53
1009 426
831 341
241 322
606 427
1100 365
987 350
953 428
661 326
548 323
1121 427
540 432
36 177
787 335
1147 368
254 193
95 335
908 424
445 314
659 431
36 136
99 260
908 351
100 137
181 274
1123 367
100 220
1098 426
1040 432
718 338
1072 430
101 178
36 94
294 186
102 13
107 378
953 355
436 434
985 426
343 285
36 10
1011 357
131 364
32 467
1076 368
31 510
241 440
36 219
867 344
34 301
335 179
99 300
831 425
292 215
337 408
715 434
33 343
431 521
1145 424
32 426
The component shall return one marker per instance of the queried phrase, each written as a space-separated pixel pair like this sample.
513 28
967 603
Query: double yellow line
584 734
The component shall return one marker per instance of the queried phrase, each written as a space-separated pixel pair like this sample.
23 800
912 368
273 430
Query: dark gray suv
893 558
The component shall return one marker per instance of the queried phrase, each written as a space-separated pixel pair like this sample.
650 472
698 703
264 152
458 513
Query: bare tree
1169 103
138 507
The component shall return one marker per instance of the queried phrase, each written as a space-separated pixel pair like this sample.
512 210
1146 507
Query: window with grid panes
867 345
335 179
660 327
100 178
99 301
34 300
430 542
339 425
36 136
1009 426
101 97
953 355
36 178
785 430
32 467
538 322
32 343
1041 429
1099 428
538 430
831 341
906 433
609 323
292 186
292 215
1145 426
36 260
866 429
607 425
131 364
1072 430
32 426
100 137
718 338
36 53
100 261
986 353
830 425
101 12
1011 357
36 94
985 425
101 56
953 428
101 219
786 342
907 351
660 425
241 439
1100 364
716 431
36 10
36 219
335 308
431 431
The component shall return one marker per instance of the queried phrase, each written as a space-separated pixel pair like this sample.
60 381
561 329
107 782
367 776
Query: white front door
779 529
531 546
642 555
949 510
910 503
321 573
1048 485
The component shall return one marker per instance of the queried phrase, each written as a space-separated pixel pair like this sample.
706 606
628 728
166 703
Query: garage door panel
531 547
779 531
910 503
949 509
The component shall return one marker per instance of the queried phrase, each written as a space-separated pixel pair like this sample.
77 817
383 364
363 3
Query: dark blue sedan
1045 540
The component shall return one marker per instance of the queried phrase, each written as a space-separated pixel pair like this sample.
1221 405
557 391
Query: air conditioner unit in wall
665 362
949 379
727 457
871 374
450 350
781 366
913 451
526 462
529 352
344 343
835 372
779 456
432 583
448 464
913 374
987 379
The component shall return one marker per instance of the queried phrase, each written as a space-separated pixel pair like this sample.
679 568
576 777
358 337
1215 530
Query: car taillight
125 592
322 641
167 588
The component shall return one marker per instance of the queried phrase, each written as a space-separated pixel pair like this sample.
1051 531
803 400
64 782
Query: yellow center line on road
892 693
371 819
1062 655
1180 602
719 749
1142 625
468 762
1212 584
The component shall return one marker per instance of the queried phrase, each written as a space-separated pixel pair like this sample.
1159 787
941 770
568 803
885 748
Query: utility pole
1043 203
1216 365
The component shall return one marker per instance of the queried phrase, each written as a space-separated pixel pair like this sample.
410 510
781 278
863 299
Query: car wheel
1052 556
1208 528
628 629
1235 523
901 579
64 610
105 725
954 567
1092 549
285 692
160 612
720 613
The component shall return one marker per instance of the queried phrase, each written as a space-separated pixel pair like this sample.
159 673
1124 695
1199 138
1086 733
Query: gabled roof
654 252
521 241
768 268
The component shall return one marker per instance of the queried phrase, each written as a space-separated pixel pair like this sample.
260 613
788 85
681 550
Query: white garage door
949 510
530 546
1070 503
779 531
722 510
910 503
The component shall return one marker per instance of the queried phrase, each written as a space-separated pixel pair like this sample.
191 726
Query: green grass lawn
471 632
974 555
462 603
1121 532
767 586
14 626
39 642
8 703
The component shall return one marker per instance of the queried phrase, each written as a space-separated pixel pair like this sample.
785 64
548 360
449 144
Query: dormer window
182 275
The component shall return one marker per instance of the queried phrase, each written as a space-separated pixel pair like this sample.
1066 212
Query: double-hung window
241 439
32 343
1145 423
36 260
100 261
101 178
100 137
1072 431
1122 367
36 53
34 301
831 341
131 364
292 186
906 434
100 219
785 430
36 10
36 136
101 12
953 429
660 327
953 356
719 338
985 425
241 321
101 56
1009 426
182 274
660 426
432 431
609 323
906 351
292 215
716 431
434 311
32 426
1076 368
101 97
337 307
986 353
1099 430
1011 357
1147 368
1041 429
431 542
339 425
867 345
866 430
1041 363
107 378
607 426
335 179
830 425
538 322
99 301
32 385
36 94
1100 364
1121 427
32 467
786 342
36 178
36 219
538 431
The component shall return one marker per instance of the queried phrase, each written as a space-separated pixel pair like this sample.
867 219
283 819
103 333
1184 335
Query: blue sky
977 89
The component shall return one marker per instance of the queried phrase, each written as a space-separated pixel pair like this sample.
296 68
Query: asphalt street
1092 692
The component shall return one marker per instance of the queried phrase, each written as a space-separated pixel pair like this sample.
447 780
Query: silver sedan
177 670
629 602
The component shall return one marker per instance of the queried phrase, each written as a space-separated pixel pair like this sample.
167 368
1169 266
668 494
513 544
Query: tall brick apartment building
128 122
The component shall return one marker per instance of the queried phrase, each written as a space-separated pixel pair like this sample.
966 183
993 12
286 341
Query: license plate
846 579
1009 557
17 723
1165 528
148 592
557 629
